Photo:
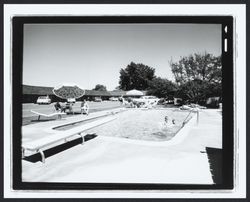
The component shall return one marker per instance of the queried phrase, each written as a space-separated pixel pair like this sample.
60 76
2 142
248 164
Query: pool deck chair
48 115
60 137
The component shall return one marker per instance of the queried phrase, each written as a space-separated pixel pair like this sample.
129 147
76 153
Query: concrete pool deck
105 159
45 128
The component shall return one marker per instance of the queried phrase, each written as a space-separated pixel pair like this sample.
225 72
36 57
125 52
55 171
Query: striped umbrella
66 91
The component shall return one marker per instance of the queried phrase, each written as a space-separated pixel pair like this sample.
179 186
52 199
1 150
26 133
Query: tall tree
162 88
100 87
136 76
198 76
205 67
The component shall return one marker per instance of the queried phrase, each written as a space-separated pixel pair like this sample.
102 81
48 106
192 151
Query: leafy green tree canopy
162 88
205 67
100 87
198 77
136 76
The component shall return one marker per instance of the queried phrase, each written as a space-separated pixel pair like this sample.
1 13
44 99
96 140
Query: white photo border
238 11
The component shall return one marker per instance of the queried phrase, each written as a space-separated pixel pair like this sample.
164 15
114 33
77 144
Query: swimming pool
144 124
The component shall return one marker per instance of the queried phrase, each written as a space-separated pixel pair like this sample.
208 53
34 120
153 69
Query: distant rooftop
37 90
42 90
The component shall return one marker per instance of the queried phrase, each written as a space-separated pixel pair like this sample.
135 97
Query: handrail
184 122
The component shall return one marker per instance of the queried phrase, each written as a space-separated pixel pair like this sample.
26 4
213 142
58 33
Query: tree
136 76
204 67
162 88
100 87
194 91
198 77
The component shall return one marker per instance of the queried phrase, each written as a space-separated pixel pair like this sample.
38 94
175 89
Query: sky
90 54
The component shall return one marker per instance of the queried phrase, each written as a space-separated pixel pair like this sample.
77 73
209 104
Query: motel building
31 93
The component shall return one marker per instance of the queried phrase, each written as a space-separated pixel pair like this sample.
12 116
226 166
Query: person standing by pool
59 109
84 107
121 100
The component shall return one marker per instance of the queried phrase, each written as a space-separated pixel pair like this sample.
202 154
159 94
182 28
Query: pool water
144 124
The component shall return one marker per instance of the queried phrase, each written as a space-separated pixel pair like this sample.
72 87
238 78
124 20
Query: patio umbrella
66 91
134 92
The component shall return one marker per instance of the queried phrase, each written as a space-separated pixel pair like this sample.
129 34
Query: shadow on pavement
34 119
215 162
42 120
60 148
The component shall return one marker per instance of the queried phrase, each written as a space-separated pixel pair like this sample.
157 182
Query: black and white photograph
122 103
111 101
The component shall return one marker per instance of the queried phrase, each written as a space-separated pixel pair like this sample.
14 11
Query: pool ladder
185 120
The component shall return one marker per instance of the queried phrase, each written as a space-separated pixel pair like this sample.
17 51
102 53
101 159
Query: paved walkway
105 159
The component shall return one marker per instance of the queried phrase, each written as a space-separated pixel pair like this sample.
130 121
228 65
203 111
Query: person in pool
169 123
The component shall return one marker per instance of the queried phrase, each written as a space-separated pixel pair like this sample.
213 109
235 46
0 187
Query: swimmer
167 123
166 119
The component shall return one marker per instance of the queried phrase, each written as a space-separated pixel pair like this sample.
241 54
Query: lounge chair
48 115
74 108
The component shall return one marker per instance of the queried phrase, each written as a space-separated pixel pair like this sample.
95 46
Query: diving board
39 145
